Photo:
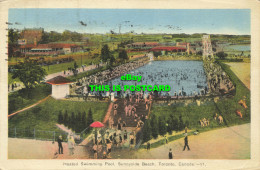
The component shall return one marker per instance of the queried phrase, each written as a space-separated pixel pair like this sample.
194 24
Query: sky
171 21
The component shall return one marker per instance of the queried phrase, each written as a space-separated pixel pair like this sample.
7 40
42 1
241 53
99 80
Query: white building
60 87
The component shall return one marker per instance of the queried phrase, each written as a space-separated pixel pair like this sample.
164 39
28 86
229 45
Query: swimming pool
185 77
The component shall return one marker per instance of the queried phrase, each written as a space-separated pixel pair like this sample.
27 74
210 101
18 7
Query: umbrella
97 124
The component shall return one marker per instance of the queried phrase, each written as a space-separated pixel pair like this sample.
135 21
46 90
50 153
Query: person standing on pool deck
71 144
170 154
60 144
148 145
186 143
95 151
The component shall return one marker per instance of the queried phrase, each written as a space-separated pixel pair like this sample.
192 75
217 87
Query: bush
147 131
154 126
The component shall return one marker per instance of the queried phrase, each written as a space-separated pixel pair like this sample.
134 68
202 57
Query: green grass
86 74
162 141
11 80
58 67
25 97
230 105
64 66
45 115
191 113
225 106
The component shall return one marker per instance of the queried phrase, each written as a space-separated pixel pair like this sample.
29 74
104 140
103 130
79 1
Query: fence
39 134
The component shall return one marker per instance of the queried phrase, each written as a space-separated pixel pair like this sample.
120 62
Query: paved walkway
70 73
37 149
226 143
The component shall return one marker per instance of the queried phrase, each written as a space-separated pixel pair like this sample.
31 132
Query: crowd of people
184 80
111 139
14 86
204 122
218 80
130 111
102 78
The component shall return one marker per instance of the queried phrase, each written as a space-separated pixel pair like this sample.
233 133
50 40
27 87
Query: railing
40 134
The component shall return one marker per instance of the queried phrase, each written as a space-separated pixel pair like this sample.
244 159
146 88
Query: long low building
49 49
143 45
169 49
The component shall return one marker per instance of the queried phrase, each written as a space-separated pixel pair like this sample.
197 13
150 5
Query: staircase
130 121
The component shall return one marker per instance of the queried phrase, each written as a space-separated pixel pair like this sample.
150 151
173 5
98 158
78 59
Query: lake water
237 48
186 76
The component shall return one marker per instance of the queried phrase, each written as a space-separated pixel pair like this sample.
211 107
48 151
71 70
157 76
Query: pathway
26 108
68 73
226 143
80 70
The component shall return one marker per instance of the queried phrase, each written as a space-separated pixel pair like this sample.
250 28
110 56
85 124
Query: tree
162 126
221 55
83 120
78 125
45 38
187 123
181 124
13 37
147 131
179 40
175 124
66 118
157 53
72 121
199 53
29 73
89 118
74 70
112 60
54 36
105 53
169 126
154 126
66 35
60 118
123 55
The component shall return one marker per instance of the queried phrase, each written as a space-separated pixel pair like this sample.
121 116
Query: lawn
11 80
191 114
45 115
25 97
86 60
242 70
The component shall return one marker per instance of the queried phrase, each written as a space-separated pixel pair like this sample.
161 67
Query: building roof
44 46
182 43
167 48
28 46
145 43
59 80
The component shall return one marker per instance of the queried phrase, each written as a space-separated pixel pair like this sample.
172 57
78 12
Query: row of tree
156 126
107 56
66 35
77 122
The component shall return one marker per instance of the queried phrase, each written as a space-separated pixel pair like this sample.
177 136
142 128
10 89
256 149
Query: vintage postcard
129 85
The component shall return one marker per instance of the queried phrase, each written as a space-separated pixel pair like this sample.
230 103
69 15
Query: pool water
183 76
